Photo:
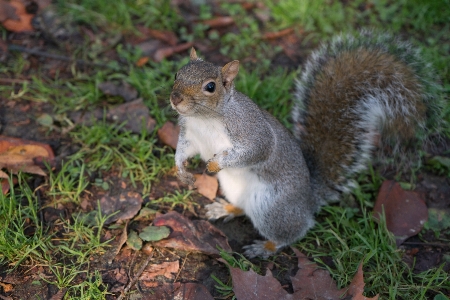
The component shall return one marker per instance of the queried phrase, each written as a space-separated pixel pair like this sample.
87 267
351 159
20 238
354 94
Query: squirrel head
201 87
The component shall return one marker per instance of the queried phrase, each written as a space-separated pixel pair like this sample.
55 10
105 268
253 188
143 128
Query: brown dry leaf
405 211
190 235
165 52
142 61
127 204
4 175
17 155
177 290
168 134
136 115
219 22
206 185
59 295
164 35
166 269
123 89
277 34
356 287
310 282
122 240
5 185
23 20
7 287
249 285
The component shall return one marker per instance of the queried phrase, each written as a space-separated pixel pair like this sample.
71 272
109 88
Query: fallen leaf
142 61
145 213
164 35
177 290
166 52
123 89
278 34
168 134
45 120
122 240
356 287
86 118
22 21
219 22
438 219
198 235
310 282
17 155
249 285
136 115
59 295
154 233
206 185
7 287
133 241
405 211
5 184
7 142
126 205
165 269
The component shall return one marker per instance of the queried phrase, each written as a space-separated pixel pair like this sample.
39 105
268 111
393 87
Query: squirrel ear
229 72
193 54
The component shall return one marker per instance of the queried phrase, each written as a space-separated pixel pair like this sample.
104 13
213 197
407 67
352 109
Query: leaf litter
405 212
310 282
168 44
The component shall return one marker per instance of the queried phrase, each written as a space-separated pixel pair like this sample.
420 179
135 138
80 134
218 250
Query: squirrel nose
175 98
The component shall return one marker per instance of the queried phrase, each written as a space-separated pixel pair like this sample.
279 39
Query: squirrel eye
210 87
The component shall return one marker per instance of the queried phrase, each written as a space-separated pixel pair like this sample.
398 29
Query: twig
12 80
54 56
182 265
122 240
136 277
427 244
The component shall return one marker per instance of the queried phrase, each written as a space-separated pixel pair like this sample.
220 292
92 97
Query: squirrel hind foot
263 249
222 209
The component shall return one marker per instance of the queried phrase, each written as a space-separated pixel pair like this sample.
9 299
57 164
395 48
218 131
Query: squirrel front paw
186 178
262 249
212 167
222 209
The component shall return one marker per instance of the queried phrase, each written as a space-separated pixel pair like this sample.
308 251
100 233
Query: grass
26 241
348 235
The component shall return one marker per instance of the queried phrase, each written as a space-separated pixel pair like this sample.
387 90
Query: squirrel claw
217 210
263 249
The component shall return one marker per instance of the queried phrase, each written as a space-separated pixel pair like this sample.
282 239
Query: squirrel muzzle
175 98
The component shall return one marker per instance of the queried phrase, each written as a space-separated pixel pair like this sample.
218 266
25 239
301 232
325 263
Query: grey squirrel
356 94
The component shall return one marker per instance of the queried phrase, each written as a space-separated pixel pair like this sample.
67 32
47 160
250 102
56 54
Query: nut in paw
212 167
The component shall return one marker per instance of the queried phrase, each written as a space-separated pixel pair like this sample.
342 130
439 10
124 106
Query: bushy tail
358 93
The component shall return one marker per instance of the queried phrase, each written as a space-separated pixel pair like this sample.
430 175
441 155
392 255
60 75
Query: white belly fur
207 137
240 187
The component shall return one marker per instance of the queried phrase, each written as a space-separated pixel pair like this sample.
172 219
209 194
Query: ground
91 80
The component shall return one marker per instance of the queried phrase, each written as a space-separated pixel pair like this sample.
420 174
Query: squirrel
356 94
